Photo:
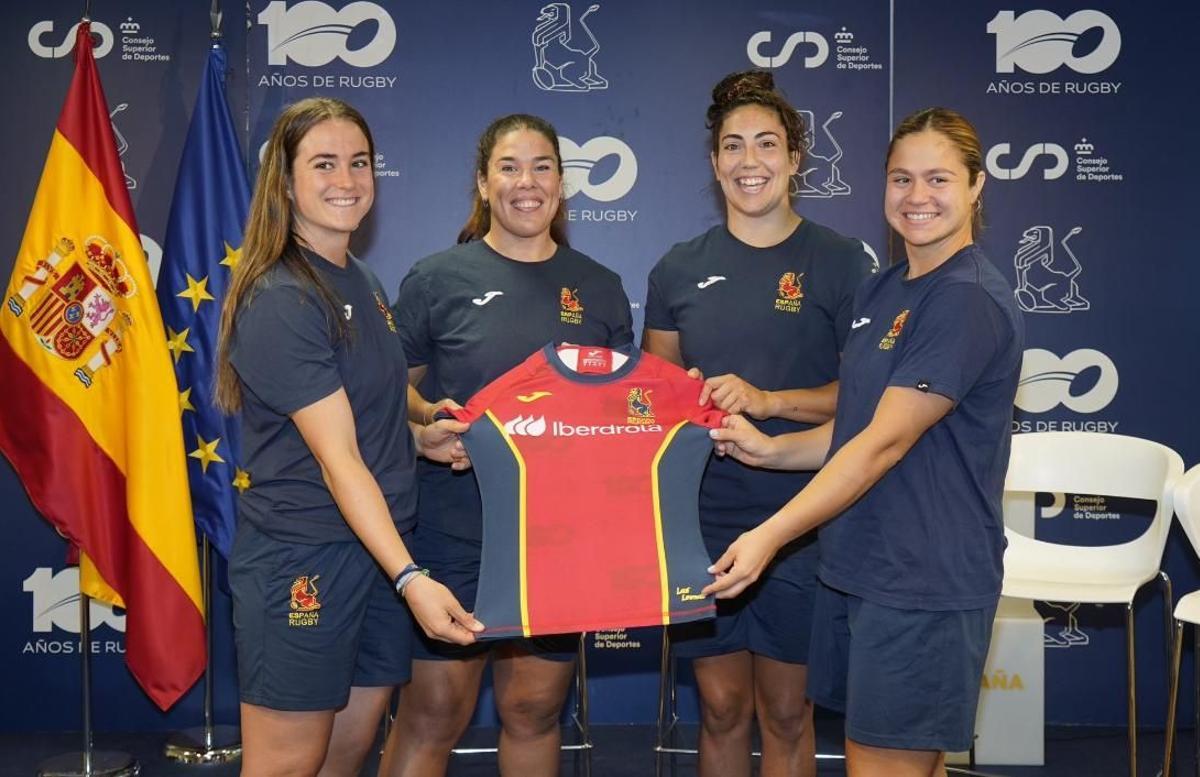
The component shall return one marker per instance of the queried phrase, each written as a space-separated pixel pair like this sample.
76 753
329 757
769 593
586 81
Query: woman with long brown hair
788 283
310 356
467 315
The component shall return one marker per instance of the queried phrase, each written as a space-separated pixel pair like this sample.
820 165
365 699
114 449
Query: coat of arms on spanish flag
90 417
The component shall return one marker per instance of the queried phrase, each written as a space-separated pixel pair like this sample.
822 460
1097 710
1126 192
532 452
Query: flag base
192 746
105 763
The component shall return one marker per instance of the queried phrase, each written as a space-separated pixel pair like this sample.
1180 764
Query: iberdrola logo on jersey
571 309
790 292
889 340
641 411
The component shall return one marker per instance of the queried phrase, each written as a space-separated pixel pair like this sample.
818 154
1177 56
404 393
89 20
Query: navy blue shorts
772 618
311 621
905 679
454 562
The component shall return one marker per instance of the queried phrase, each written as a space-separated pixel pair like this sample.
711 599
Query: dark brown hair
270 236
480 220
754 87
961 133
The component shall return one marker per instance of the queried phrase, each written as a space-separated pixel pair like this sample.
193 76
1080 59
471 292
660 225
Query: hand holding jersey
439 440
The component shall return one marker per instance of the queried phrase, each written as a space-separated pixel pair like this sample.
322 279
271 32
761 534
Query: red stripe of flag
86 479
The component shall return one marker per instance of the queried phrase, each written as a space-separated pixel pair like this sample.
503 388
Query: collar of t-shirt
590 360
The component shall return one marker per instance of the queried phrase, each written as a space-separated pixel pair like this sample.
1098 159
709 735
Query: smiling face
929 199
752 163
522 187
332 185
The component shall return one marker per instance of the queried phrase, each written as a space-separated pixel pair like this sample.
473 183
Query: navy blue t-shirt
287 357
776 317
470 314
930 534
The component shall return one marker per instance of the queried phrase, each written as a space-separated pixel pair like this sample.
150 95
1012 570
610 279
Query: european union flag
202 246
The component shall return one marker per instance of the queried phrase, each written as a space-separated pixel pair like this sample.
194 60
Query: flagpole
90 762
208 744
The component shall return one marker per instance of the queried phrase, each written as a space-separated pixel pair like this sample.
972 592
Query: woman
788 283
309 355
468 315
916 455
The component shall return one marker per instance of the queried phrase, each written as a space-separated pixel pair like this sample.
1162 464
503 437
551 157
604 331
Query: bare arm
902 416
735 395
664 344
328 429
805 450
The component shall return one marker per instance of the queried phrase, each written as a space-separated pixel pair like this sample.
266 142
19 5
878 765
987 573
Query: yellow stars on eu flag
232 256
206 452
177 343
185 401
197 291
241 481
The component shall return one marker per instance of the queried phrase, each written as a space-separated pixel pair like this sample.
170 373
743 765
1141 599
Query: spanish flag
90 411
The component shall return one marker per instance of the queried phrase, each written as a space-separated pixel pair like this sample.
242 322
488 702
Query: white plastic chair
1187 508
1093 464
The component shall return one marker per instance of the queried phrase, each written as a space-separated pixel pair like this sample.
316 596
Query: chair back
1187 505
1092 464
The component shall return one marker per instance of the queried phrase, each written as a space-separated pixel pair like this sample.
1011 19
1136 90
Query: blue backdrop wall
1087 204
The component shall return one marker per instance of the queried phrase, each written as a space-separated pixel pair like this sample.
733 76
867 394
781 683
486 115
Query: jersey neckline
632 355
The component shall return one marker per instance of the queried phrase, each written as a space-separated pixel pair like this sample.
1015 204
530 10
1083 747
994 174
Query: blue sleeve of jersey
412 315
949 341
283 352
658 313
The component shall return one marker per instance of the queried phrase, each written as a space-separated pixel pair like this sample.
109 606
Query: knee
529 712
434 717
726 710
787 718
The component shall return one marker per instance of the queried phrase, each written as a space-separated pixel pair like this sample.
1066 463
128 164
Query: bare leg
434 710
354 730
785 719
867 761
276 743
726 686
530 692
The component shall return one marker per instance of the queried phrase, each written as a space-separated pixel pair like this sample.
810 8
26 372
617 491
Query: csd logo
312 34
578 162
1039 41
816 39
1084 381
40 30
1003 173
56 602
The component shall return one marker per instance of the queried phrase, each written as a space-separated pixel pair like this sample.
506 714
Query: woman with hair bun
912 472
761 305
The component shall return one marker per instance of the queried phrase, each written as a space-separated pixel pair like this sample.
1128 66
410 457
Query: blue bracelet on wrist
406 575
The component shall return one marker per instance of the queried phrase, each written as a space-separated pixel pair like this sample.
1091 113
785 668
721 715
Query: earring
485 204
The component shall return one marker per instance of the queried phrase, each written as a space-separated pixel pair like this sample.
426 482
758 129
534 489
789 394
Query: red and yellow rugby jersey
590 480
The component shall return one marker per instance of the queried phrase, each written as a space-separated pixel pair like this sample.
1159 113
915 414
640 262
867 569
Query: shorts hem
942 744
828 702
294 705
712 651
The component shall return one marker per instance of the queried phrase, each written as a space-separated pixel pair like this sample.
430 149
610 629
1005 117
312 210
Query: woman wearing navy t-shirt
761 305
913 474
309 354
